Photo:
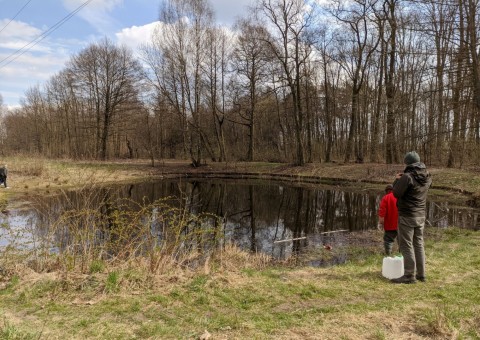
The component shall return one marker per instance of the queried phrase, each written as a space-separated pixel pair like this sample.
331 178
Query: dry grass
28 174
236 295
230 293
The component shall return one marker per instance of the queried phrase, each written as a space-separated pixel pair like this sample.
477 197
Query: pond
274 218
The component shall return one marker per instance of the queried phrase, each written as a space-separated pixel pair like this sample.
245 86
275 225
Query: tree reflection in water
258 214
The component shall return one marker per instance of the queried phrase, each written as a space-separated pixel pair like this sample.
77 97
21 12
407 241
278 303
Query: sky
38 37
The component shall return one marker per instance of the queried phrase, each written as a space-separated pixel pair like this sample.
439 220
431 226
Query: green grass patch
112 282
97 266
351 301
9 331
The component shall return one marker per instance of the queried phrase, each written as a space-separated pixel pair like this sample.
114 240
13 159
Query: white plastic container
392 267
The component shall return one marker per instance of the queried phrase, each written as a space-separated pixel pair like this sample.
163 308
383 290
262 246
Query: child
388 219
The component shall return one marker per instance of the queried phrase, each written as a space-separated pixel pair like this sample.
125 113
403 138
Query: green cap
411 157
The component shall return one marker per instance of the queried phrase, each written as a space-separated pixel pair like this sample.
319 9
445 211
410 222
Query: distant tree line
359 80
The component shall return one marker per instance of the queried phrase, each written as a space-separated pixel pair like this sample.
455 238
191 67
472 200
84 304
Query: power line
42 36
21 9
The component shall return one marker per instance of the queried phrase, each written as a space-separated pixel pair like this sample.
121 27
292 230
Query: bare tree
375 133
472 12
387 75
390 58
176 57
329 73
3 131
108 76
356 47
290 21
250 59
215 78
461 54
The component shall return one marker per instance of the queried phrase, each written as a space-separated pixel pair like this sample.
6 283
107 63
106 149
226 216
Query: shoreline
30 176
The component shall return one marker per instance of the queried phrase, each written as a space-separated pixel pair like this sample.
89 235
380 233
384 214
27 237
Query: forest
295 81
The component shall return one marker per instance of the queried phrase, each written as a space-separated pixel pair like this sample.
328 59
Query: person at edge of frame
3 175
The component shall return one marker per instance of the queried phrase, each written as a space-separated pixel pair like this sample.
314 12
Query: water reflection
259 216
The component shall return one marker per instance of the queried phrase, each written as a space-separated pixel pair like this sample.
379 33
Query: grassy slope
240 301
351 301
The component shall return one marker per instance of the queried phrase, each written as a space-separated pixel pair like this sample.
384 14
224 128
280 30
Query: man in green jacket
410 188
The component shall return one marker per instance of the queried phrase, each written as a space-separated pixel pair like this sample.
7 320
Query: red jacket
388 210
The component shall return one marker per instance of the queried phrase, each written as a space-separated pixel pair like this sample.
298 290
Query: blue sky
129 22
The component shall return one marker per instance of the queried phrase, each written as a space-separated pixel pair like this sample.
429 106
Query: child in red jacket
388 219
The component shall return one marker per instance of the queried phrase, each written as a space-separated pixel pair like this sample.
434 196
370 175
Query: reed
26 166
92 230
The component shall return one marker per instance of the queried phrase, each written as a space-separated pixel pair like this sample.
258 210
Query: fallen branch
304 237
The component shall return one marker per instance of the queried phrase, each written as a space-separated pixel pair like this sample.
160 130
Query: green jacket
411 190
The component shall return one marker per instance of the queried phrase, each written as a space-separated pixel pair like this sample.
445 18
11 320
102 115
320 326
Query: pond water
278 219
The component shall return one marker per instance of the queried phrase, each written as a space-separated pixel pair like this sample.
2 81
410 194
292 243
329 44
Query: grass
10 332
240 299
112 283
237 295
97 266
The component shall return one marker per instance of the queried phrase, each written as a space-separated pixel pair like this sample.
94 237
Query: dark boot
421 278
388 249
404 279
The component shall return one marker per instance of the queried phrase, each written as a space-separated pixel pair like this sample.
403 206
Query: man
388 219
410 188
3 175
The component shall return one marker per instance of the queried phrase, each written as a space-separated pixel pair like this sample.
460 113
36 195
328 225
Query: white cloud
23 65
21 46
227 12
96 13
18 35
95 5
136 36
26 71
33 66
17 29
